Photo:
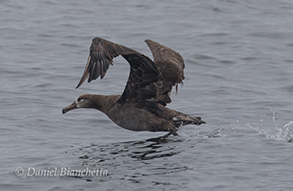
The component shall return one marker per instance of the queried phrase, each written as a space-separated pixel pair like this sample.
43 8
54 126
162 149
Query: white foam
284 133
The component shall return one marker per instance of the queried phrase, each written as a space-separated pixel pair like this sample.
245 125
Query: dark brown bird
141 107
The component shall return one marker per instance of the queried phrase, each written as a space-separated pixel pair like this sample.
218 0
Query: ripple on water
134 161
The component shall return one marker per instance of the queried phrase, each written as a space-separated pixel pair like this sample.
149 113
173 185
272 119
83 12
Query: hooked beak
70 107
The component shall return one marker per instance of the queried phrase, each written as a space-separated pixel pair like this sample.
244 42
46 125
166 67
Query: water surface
239 70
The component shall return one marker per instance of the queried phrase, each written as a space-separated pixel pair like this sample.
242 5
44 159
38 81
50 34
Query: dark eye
79 99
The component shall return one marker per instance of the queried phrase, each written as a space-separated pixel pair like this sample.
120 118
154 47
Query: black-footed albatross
142 105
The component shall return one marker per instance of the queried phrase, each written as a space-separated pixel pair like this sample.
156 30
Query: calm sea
239 73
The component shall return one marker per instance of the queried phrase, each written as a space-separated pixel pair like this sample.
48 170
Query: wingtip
78 85
148 41
81 82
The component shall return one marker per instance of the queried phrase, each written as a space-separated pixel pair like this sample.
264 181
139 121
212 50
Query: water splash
284 133
207 132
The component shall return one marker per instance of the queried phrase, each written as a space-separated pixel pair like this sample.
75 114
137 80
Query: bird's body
141 107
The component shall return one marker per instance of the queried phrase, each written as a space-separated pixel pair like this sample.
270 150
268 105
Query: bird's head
83 101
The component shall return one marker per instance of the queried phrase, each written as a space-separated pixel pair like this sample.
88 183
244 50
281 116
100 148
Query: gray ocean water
239 72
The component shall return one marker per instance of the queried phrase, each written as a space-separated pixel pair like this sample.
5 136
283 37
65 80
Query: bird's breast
135 119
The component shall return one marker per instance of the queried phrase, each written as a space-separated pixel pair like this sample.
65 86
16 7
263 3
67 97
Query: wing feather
169 63
101 57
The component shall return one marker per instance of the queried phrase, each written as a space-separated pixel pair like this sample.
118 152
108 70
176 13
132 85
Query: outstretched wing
101 56
169 63
144 80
